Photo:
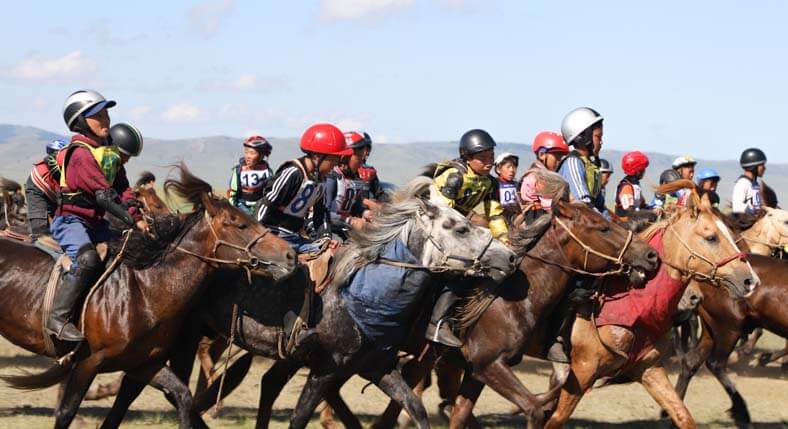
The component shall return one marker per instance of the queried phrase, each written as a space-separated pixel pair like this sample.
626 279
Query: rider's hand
333 244
356 223
367 215
142 225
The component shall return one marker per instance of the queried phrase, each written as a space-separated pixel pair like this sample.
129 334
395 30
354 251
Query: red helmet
259 143
367 173
549 141
325 139
355 140
634 162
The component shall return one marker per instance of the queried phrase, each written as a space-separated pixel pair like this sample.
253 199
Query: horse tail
50 377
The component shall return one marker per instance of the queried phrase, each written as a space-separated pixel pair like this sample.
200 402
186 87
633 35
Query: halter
248 264
620 266
712 277
476 267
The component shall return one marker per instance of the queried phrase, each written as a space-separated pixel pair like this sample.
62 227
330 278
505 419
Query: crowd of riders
313 201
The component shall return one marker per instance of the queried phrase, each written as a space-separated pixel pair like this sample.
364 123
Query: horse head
229 236
698 244
768 233
592 243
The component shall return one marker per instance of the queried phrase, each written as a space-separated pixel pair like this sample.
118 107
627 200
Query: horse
578 240
698 246
131 320
725 320
12 205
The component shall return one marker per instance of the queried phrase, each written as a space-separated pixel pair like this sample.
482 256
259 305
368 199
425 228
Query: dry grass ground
765 390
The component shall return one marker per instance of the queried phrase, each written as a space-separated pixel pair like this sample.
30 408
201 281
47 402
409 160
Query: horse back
767 303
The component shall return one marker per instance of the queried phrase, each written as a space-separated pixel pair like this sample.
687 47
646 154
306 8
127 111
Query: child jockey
685 167
582 128
250 176
92 182
298 187
41 190
549 148
629 196
708 178
346 190
507 185
747 190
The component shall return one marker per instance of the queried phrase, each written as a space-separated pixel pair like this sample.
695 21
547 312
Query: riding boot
71 288
439 329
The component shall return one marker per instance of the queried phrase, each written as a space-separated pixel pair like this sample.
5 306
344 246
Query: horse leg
413 372
393 385
104 390
271 384
749 344
131 385
581 378
77 385
738 410
179 395
317 384
208 353
657 384
692 362
462 412
346 416
449 377
502 379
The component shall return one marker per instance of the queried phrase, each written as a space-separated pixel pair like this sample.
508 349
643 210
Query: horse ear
705 204
562 209
208 204
430 209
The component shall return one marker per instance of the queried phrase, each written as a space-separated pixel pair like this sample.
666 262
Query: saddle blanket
382 298
646 310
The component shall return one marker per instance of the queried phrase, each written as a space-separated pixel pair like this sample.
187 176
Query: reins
620 267
476 266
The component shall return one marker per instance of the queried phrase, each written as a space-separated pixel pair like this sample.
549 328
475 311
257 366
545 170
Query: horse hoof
764 359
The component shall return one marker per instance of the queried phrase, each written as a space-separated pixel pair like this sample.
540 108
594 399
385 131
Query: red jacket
83 174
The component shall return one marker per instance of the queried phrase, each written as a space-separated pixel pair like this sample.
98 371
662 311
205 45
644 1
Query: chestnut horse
693 239
133 317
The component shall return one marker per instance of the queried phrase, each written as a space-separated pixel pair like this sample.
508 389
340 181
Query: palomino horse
437 237
131 320
518 320
693 239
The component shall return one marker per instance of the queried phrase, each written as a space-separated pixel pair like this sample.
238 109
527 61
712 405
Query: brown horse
693 240
12 205
724 321
577 239
131 320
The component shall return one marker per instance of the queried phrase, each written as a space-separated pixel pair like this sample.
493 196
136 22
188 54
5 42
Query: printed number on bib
298 204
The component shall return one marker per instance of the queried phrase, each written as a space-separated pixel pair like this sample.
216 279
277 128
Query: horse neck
547 282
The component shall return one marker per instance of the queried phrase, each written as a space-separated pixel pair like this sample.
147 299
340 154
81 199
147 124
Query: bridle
711 277
619 266
475 266
249 263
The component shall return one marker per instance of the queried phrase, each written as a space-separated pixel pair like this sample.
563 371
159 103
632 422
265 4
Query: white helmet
82 104
682 161
577 121
506 155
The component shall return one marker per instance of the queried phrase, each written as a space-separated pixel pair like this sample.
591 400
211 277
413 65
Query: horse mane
145 250
145 177
680 184
394 221
189 187
768 196
743 221
429 170
8 185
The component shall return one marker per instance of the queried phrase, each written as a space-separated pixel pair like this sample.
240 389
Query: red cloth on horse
647 311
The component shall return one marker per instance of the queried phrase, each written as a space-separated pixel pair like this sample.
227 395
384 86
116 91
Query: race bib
254 179
508 194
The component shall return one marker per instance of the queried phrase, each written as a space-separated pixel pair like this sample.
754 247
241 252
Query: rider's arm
331 195
126 193
449 184
626 196
739 197
283 189
321 219
573 171
232 191
497 224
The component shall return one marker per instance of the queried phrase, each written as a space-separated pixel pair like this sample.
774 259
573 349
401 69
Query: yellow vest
107 158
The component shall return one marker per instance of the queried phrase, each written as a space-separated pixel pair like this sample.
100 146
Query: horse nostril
652 256
748 282
511 259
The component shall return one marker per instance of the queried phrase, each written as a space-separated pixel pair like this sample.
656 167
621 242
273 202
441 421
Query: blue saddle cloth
382 298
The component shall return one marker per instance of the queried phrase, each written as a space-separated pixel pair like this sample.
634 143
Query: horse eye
462 230
241 225
712 238
605 228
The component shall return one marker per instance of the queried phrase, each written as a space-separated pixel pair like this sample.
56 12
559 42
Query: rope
103 278
49 297
219 399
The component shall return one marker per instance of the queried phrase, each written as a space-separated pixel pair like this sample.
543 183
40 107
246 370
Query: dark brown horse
725 319
12 204
518 319
132 319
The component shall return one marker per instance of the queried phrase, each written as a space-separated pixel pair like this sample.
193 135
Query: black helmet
604 166
127 138
752 157
475 141
669 175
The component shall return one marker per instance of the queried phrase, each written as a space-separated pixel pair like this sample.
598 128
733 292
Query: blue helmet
55 146
706 174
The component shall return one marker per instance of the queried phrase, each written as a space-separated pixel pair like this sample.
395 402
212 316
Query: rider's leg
439 329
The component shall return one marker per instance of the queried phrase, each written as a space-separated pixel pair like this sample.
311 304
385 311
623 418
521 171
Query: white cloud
36 67
355 9
207 16
182 112
139 112
244 82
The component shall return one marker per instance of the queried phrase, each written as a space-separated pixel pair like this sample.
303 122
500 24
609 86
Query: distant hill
212 158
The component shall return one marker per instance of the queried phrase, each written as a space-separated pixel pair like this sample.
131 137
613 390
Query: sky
706 78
